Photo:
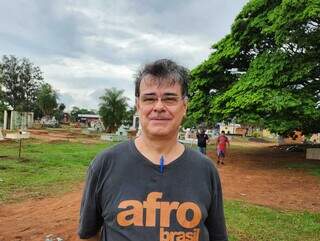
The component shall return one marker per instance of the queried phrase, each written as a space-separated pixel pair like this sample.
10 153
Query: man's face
160 118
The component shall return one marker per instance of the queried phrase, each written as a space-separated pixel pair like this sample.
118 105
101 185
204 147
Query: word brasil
134 216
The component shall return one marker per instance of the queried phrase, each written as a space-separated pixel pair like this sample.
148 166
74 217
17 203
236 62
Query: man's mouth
159 119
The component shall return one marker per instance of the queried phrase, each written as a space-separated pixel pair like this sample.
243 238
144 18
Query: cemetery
71 88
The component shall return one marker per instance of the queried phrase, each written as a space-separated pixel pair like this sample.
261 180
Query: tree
266 72
113 108
128 119
2 109
189 122
58 112
47 99
20 81
3 106
76 110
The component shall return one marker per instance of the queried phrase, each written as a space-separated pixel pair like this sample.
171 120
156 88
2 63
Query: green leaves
266 72
20 81
47 99
113 108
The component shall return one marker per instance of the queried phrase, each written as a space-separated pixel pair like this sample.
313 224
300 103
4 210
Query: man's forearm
94 238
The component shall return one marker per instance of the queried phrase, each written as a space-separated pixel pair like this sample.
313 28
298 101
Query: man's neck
153 148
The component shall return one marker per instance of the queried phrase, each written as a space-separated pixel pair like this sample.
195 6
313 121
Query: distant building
87 118
229 128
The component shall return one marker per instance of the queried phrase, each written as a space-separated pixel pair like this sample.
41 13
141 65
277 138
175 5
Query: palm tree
113 108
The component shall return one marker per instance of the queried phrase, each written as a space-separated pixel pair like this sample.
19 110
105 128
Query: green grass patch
44 168
312 168
256 223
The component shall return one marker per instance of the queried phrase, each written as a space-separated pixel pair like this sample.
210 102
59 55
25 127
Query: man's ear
185 102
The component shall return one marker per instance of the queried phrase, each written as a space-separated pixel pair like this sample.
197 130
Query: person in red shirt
222 142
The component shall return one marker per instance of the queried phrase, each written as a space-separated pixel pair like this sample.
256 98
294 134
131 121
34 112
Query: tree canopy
76 110
113 108
47 99
266 72
20 81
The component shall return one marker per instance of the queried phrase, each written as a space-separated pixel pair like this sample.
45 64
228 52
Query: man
153 188
222 142
202 141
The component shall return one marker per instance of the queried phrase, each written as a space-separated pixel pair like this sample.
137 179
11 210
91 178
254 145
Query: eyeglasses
168 100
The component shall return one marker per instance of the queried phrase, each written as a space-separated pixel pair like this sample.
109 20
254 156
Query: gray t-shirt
128 198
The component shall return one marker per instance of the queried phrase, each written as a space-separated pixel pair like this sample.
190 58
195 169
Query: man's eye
149 100
170 100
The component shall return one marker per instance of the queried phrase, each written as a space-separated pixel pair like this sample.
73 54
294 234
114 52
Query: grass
256 223
44 168
312 168
53 168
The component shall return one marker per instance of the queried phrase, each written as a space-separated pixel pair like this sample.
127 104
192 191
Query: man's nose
158 106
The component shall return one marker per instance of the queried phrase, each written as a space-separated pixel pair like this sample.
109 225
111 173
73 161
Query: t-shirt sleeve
90 212
215 221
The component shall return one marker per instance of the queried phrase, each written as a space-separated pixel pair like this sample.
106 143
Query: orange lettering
165 211
182 215
180 236
133 214
164 235
124 217
151 205
189 236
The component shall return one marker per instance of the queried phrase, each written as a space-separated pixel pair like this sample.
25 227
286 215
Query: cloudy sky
83 47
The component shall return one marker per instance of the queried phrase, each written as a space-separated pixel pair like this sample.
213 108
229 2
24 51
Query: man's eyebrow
170 94
165 94
146 94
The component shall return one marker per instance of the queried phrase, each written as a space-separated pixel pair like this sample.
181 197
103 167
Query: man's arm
90 212
207 139
95 238
215 221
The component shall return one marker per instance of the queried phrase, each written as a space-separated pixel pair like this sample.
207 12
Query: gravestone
313 153
1 135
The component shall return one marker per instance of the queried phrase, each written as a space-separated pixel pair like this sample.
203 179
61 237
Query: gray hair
164 70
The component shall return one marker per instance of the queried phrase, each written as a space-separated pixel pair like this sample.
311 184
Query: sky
83 47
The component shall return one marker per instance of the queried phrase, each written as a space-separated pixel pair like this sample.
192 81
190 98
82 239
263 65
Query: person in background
202 141
222 142
154 188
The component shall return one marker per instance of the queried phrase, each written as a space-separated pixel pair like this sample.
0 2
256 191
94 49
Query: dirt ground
75 136
261 177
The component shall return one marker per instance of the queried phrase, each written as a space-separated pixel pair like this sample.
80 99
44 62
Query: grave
1 135
313 153
17 120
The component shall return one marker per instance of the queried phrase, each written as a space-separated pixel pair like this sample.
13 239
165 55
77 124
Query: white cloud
84 47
